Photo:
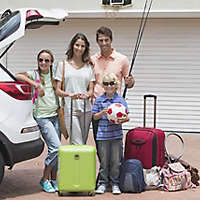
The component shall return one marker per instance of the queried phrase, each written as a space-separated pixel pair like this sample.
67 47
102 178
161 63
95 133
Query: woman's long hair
70 50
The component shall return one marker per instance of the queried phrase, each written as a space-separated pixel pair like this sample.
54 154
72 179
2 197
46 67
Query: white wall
94 9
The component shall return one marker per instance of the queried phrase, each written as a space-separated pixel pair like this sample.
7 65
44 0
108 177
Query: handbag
193 171
152 176
171 159
60 110
175 177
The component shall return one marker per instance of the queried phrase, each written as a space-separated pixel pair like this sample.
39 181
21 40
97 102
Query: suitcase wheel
91 193
60 194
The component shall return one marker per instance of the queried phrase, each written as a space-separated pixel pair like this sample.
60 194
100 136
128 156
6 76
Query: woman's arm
63 93
60 92
90 91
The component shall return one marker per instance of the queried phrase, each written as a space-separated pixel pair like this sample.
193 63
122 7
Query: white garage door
167 64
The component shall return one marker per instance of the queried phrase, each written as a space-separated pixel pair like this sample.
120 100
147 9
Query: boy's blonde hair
108 77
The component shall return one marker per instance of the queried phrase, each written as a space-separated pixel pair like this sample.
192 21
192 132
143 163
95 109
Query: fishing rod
139 37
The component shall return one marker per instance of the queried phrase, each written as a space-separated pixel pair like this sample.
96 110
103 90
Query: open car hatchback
19 133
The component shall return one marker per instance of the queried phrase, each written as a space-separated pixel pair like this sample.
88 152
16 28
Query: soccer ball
115 112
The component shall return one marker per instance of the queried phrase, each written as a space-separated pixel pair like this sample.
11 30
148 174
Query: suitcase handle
138 142
155 99
150 95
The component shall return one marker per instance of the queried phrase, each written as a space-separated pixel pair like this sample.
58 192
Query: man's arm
130 81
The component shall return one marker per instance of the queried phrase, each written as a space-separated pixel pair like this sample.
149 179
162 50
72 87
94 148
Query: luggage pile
146 165
145 149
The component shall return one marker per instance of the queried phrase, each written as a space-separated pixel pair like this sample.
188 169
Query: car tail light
18 90
33 14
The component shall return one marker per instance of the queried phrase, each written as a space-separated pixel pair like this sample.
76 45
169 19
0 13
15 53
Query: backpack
175 177
132 177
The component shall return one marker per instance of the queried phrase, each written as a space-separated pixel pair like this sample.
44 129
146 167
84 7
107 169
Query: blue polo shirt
106 129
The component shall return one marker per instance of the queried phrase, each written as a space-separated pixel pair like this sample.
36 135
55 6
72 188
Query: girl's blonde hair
108 77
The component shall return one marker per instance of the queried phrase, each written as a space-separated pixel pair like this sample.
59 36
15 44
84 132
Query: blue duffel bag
132 177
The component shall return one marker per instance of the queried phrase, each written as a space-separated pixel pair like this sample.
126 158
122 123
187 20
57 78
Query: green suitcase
76 169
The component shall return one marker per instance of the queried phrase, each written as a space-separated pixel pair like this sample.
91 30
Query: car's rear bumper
27 150
14 153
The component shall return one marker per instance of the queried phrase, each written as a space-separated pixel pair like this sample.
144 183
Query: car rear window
9 24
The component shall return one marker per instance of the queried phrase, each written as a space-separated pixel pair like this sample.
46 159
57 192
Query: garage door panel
167 63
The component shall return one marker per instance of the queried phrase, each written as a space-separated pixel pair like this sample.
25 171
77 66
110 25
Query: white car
19 133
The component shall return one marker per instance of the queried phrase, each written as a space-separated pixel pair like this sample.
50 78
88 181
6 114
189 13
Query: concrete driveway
23 181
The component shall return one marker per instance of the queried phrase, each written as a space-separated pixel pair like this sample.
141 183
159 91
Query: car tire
1 167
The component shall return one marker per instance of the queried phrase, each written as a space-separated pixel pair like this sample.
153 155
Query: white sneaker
101 189
115 189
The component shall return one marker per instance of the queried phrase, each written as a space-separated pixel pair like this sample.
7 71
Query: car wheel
1 167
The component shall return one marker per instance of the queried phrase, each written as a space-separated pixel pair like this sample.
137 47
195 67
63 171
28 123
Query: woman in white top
79 84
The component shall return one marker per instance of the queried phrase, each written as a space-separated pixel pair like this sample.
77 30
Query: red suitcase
146 144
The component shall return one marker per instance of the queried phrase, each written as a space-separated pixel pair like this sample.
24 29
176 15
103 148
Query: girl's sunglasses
109 83
45 60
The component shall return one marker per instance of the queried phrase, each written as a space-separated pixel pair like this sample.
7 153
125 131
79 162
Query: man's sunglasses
45 60
109 83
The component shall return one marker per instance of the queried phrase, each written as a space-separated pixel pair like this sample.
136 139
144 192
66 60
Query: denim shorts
50 132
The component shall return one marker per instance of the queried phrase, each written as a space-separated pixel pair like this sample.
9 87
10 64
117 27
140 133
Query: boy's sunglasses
109 83
45 60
